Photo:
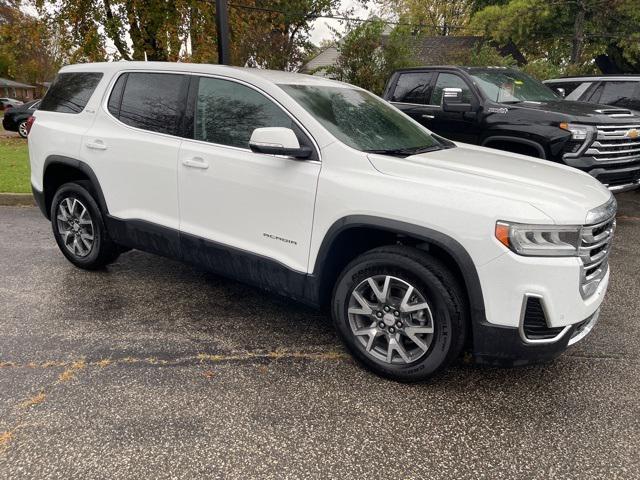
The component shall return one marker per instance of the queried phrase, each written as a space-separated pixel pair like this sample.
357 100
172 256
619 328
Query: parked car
322 192
506 109
618 91
15 119
7 103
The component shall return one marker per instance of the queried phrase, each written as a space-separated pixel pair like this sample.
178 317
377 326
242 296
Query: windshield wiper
405 152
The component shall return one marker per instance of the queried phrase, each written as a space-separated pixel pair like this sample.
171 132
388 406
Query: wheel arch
506 139
58 170
353 235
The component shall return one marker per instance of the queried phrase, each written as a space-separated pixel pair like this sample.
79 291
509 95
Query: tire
82 237
22 129
431 337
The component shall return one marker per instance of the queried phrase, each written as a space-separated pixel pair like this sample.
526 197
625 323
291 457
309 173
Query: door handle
96 145
195 162
426 115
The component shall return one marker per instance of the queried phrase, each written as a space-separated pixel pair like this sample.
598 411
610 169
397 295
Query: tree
567 34
272 34
431 17
367 57
29 49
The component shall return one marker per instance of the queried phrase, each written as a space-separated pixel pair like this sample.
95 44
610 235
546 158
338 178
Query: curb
16 200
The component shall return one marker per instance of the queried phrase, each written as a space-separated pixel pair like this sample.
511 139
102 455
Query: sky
321 27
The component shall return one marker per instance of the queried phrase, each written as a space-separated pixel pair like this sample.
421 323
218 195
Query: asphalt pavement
153 369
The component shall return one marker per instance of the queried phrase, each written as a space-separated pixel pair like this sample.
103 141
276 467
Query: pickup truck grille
595 246
616 143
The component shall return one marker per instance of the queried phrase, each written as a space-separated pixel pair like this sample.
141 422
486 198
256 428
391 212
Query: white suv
322 192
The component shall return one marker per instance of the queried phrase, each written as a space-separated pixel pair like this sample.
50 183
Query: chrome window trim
414 104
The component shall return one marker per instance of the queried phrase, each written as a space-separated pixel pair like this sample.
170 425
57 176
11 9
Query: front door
242 210
457 126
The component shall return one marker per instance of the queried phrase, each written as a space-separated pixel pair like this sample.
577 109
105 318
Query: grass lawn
14 165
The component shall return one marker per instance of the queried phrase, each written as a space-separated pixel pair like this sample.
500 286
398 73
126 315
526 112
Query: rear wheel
78 227
400 312
22 129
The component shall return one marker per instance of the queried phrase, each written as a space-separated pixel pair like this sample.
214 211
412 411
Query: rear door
411 93
133 147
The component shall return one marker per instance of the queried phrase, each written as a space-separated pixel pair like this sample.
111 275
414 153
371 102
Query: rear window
151 101
412 88
70 92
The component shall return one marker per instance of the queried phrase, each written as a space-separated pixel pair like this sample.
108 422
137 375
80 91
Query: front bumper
505 346
38 196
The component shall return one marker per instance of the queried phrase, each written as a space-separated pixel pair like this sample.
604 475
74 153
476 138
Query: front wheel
400 312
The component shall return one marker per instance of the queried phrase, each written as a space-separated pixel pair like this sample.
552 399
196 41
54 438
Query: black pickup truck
506 109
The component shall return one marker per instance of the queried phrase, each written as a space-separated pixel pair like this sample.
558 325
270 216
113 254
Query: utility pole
222 29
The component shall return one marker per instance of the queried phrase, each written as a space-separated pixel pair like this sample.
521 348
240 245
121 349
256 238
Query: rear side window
150 101
621 94
70 92
579 91
227 113
412 88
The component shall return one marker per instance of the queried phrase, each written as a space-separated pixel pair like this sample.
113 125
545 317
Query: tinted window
567 87
115 99
153 101
360 119
449 80
70 92
621 94
228 112
578 93
412 88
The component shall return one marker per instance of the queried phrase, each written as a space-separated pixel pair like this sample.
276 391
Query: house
437 50
20 91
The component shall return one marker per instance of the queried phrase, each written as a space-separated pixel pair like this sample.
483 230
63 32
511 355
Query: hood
578 112
562 193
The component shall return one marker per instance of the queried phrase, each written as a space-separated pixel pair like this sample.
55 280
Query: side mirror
452 100
561 91
277 141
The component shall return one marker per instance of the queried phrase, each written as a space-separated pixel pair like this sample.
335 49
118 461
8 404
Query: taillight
30 121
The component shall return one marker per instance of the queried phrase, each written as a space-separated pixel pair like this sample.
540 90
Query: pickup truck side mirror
277 141
452 100
561 91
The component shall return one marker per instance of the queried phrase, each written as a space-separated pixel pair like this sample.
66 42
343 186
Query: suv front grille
616 143
595 246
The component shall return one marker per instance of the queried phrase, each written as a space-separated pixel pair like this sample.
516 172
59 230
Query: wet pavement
153 369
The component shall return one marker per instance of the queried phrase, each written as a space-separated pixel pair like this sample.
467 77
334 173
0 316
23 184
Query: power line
464 28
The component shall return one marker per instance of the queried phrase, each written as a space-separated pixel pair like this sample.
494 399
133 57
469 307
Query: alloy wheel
391 319
75 226
22 129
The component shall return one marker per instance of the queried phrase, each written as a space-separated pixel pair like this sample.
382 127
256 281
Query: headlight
539 240
578 132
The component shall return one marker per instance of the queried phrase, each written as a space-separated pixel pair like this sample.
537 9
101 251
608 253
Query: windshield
362 120
512 87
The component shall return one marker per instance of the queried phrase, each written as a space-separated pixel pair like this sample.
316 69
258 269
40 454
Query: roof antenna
145 56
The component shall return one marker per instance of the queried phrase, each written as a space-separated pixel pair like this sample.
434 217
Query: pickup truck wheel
79 229
400 312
